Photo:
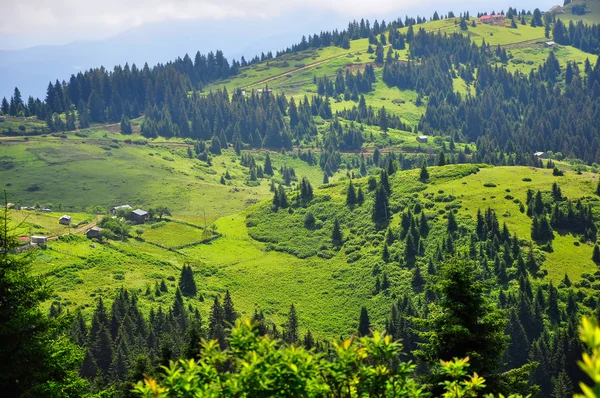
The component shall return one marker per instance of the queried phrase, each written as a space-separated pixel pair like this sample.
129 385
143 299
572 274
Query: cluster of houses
137 216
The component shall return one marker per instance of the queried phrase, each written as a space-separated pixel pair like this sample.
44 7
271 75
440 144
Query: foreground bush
258 366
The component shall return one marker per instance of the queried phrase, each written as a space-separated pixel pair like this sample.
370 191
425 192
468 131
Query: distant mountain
31 69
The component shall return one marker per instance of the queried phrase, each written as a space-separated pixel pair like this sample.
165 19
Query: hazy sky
35 22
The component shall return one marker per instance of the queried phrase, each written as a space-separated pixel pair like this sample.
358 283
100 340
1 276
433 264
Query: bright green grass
470 191
328 293
173 234
526 59
80 176
22 125
401 103
46 224
592 15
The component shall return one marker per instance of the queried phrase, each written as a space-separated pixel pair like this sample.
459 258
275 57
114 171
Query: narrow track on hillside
291 72
78 230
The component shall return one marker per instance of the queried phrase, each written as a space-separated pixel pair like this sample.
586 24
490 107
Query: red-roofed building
492 19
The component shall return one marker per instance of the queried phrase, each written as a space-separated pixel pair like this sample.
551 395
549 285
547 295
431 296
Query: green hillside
587 11
328 192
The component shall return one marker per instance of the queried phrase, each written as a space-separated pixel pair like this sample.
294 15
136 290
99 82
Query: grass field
592 15
290 264
173 234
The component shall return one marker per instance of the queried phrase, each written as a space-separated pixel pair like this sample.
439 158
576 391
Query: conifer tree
215 325
125 125
268 168
336 234
596 254
380 209
364 323
465 324
351 195
282 197
360 197
36 357
518 348
452 225
291 335
424 175
306 191
441 159
229 313
186 281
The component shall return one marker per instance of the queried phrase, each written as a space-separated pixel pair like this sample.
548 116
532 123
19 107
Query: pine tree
291 335
518 348
306 191
186 281
360 197
282 197
441 159
215 325
465 323
417 280
351 195
424 176
268 168
381 207
229 313
35 352
125 125
364 323
596 254
452 225
336 234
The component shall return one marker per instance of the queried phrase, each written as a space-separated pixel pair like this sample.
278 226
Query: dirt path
291 72
78 230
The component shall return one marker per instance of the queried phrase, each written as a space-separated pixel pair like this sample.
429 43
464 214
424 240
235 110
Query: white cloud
72 20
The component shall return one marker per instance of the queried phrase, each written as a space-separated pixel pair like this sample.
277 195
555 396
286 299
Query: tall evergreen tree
465 323
186 281
424 175
291 334
364 323
36 357
336 233
229 313
351 195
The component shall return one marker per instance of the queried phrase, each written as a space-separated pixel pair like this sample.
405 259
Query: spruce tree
186 281
364 323
268 168
424 176
36 356
360 197
291 335
596 254
452 226
351 199
336 233
441 159
381 207
229 313
465 323
215 325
